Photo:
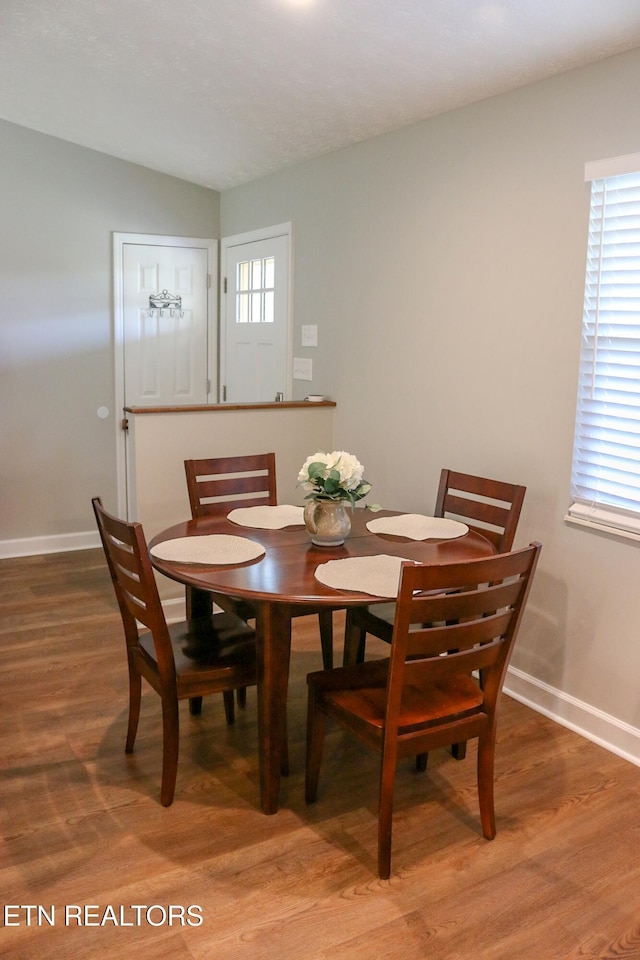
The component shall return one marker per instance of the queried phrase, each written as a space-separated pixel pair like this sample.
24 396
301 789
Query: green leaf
316 469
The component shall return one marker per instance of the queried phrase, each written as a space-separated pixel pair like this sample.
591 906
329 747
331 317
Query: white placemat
418 527
378 576
268 518
213 548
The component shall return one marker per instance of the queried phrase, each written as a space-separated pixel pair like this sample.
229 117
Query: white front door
255 335
165 298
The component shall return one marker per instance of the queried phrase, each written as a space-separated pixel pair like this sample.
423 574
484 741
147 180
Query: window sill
596 527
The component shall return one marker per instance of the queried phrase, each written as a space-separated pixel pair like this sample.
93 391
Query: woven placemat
378 575
416 526
213 548
268 518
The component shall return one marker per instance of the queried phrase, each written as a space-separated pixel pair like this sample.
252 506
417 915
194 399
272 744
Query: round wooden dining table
279 585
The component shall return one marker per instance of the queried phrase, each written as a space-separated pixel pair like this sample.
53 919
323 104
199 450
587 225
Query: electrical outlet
309 337
302 369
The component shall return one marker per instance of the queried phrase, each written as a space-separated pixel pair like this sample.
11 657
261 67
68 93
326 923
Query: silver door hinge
224 394
208 387
224 285
208 281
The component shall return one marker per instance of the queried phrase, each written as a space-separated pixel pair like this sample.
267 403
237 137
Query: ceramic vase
327 521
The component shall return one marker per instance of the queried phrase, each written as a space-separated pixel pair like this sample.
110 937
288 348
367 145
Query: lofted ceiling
220 92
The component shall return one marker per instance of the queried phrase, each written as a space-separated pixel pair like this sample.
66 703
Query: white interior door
165 298
161 359
255 335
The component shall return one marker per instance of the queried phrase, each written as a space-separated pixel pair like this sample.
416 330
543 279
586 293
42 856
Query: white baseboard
174 610
593 724
59 543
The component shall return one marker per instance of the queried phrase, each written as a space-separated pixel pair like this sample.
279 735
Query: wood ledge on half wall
220 407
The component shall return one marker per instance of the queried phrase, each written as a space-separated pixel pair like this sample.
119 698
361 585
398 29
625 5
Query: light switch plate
310 335
302 369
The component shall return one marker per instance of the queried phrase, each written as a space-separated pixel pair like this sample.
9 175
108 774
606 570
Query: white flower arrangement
333 476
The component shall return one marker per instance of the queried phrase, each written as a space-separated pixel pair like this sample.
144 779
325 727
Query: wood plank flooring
82 827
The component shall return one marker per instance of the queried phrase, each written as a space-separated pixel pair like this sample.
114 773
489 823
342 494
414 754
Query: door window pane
257 276
243 276
242 308
269 272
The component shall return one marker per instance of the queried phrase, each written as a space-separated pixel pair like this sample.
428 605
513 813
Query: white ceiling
220 92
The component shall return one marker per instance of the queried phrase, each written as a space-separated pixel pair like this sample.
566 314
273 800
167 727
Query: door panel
165 346
255 337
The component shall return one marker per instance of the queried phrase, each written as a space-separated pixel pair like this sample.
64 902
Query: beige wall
60 205
444 266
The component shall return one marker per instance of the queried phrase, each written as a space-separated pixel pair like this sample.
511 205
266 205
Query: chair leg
241 697
315 741
284 748
354 641
459 750
135 696
170 743
195 706
385 814
486 758
326 638
421 762
229 710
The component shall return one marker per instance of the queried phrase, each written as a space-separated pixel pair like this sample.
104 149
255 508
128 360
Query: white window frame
605 480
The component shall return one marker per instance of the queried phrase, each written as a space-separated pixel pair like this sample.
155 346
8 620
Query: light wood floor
81 823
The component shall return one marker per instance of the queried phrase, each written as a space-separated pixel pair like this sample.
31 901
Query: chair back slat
431 641
491 507
464 603
229 489
457 662
219 484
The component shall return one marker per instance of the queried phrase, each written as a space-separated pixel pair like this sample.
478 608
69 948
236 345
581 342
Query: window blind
605 483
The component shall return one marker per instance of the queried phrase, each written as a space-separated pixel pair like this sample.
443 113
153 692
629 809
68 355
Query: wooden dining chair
214 654
221 484
451 620
490 507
